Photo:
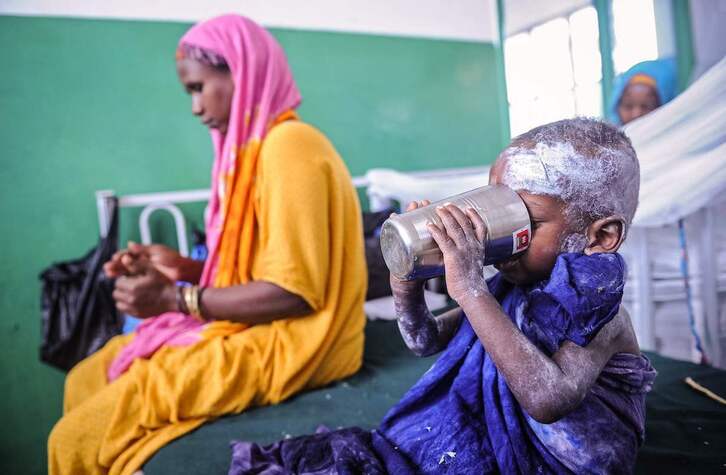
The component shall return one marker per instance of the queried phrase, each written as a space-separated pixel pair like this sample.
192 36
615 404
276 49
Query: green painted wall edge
684 42
604 23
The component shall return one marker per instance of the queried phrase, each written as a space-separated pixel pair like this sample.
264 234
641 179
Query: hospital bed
682 148
685 431
655 291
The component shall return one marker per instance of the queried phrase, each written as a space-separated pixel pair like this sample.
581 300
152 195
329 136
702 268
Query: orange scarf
238 233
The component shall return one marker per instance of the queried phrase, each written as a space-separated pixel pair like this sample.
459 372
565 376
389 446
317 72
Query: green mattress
685 431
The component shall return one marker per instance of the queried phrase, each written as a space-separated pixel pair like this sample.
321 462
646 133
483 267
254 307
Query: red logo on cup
522 238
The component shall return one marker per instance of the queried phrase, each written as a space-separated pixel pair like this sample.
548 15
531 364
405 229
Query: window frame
566 16
682 38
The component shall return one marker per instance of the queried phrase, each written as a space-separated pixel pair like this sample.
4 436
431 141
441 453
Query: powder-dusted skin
558 170
588 165
464 415
423 333
540 372
515 402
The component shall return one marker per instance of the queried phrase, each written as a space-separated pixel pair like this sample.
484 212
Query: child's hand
423 333
461 240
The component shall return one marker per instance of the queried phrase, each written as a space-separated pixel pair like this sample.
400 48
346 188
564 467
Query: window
634 33
553 71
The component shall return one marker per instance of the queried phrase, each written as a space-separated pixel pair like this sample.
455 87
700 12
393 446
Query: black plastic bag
78 311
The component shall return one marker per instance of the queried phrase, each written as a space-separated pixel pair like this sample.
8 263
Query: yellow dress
309 241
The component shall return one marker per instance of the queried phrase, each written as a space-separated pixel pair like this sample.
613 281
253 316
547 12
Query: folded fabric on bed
404 187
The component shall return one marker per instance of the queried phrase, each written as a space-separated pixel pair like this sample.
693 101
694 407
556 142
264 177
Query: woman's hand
166 260
461 240
145 291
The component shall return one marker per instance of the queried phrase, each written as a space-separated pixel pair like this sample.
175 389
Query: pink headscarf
264 89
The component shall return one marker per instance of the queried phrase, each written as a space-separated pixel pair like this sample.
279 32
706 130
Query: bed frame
643 299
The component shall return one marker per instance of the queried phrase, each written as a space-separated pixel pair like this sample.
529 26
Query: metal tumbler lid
397 252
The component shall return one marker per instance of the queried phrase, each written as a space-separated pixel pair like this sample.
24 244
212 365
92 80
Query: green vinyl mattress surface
685 431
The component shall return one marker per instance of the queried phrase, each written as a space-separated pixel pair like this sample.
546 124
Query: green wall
88 105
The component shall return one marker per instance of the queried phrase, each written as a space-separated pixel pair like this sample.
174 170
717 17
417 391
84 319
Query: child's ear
605 235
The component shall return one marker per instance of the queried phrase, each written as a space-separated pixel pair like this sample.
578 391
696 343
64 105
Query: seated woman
539 372
278 305
642 89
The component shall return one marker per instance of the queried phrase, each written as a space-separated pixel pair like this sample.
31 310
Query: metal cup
411 253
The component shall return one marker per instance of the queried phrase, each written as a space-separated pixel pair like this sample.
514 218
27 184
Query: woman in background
276 308
642 89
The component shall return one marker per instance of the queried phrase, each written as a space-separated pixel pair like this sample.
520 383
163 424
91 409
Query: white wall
471 20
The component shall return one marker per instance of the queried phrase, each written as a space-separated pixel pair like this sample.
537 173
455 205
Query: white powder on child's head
539 170
603 183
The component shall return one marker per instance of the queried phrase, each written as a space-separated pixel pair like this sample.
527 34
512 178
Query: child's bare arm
547 388
424 333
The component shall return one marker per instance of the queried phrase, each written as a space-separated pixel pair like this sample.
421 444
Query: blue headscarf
663 72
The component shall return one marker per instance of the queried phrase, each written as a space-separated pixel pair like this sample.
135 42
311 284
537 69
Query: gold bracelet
188 299
191 298
185 294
